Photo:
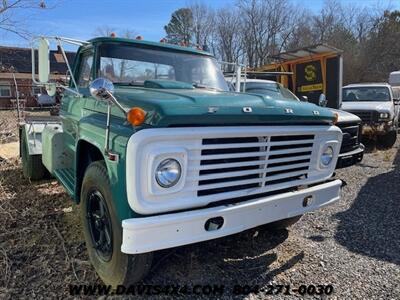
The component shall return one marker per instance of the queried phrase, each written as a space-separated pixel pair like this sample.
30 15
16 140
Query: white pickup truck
378 108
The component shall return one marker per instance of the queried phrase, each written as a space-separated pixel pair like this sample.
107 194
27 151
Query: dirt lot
353 245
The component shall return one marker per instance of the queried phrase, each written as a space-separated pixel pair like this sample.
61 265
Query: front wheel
388 140
103 232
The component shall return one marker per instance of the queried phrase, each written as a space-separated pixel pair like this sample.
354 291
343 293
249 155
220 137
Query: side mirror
304 98
322 100
44 60
396 100
101 88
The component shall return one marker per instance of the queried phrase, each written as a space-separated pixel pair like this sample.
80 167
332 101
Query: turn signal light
136 116
336 117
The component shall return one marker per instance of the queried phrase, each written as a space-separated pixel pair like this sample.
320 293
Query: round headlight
168 173
327 156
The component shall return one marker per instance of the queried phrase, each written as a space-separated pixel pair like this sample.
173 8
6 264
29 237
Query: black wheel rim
99 222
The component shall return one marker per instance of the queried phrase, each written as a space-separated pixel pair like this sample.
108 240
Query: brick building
18 62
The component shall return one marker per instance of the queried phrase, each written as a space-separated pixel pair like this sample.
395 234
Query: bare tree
266 27
104 31
108 31
252 30
227 35
303 33
381 54
9 20
202 22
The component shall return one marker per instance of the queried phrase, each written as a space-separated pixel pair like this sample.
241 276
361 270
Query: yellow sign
310 88
310 73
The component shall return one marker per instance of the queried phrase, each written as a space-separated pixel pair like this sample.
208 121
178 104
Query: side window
5 89
85 70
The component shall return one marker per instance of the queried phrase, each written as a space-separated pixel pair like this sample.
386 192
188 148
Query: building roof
149 44
306 52
19 60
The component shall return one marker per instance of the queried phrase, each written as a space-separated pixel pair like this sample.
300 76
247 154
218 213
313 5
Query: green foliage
180 27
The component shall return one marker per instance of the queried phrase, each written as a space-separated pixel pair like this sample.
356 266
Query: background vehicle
377 107
159 154
351 151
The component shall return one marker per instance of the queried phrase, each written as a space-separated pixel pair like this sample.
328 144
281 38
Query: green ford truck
158 153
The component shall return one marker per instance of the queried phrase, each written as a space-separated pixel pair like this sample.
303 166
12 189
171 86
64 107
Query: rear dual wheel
103 232
32 165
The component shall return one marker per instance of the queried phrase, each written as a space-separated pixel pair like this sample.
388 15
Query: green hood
175 107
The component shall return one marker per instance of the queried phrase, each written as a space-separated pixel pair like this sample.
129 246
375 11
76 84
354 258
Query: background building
17 62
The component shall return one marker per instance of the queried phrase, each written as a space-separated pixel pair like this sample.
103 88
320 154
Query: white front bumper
148 234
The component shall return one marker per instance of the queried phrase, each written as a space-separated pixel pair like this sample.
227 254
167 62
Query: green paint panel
192 107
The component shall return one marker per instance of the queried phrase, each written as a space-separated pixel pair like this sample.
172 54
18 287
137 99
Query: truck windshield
271 90
132 65
366 94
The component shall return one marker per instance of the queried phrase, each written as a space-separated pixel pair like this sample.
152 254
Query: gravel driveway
353 245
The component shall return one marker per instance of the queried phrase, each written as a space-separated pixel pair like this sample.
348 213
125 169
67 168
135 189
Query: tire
282 224
115 268
388 140
32 165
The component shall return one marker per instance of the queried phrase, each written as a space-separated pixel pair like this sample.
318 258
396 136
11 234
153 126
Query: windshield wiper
202 86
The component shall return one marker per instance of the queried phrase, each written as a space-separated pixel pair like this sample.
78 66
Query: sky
80 18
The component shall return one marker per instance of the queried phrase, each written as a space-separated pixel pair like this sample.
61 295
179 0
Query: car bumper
377 128
350 158
141 235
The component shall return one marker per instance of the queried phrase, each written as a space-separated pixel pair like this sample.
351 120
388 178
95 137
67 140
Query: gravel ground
353 245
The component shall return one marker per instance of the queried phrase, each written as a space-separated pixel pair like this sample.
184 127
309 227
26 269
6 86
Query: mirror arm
112 99
68 65
107 137
70 90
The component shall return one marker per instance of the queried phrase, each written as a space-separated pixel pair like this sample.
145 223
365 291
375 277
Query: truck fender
86 153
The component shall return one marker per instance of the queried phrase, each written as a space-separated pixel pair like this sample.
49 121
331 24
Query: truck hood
380 106
175 107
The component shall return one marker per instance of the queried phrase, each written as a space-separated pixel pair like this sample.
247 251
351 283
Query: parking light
136 116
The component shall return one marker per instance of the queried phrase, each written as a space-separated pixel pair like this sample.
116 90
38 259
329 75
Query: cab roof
150 44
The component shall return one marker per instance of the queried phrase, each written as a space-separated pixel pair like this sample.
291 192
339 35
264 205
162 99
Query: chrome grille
366 116
240 163
226 164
